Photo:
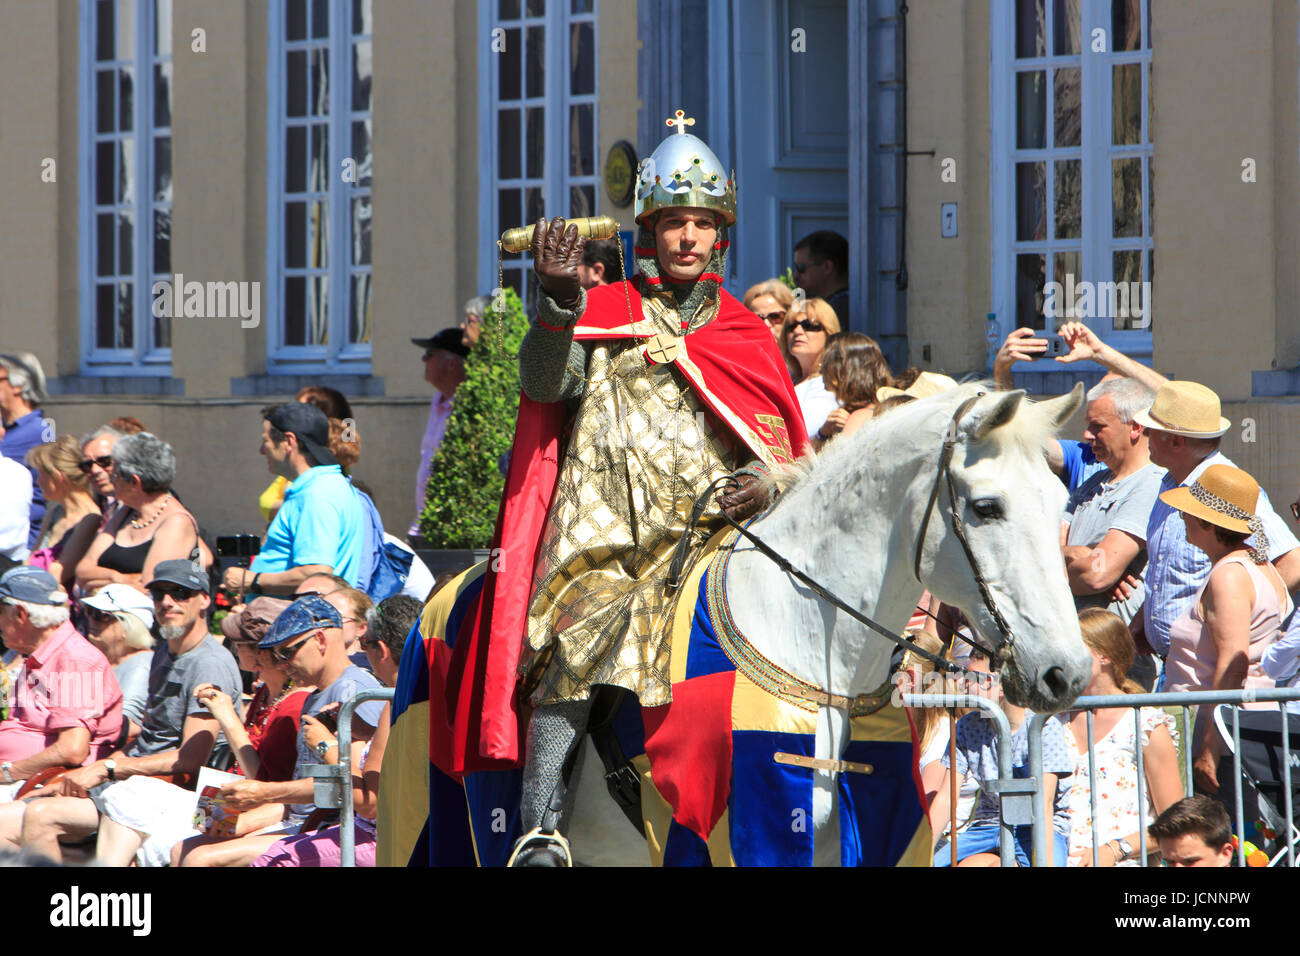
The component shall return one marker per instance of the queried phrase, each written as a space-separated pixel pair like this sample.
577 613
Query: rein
944 475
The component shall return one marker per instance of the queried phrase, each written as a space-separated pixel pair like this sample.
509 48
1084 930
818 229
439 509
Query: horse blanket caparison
712 791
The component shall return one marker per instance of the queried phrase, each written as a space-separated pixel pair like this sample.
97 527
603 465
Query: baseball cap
32 585
122 598
252 623
453 340
309 424
299 617
180 571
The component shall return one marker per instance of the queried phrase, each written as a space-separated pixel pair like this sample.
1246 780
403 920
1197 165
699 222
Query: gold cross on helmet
681 121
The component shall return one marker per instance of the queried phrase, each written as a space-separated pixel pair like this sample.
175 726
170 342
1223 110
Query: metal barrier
1175 699
333 784
1015 792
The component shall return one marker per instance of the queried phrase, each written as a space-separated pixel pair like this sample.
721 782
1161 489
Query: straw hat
1185 408
1223 496
926 384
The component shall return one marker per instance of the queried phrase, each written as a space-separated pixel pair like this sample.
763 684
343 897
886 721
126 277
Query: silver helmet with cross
684 172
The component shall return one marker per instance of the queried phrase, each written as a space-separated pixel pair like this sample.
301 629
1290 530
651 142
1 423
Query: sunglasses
369 642
808 325
103 461
285 654
772 317
97 616
1295 510
303 594
174 591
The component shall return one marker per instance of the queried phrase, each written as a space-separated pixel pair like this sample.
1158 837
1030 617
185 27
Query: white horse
852 519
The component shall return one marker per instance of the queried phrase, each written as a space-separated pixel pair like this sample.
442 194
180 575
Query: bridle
1005 642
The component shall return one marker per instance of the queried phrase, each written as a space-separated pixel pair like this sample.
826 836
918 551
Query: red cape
737 372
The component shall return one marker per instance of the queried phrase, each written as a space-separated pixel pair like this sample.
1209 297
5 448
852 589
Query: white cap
122 597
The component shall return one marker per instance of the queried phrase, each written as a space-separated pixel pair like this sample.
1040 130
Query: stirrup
537 839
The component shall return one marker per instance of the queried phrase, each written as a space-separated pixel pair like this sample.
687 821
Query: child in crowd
852 370
977 757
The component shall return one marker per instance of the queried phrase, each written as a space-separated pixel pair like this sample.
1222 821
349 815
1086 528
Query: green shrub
465 482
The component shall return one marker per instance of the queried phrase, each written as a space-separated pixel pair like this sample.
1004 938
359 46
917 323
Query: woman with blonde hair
119 621
852 370
70 504
770 300
1114 747
808 325
917 675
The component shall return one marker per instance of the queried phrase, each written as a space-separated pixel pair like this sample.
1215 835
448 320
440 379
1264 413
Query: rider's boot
554 737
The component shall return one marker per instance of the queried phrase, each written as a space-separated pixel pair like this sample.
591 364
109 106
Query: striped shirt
1176 569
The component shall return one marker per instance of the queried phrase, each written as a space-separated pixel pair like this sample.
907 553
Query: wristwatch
111 766
324 746
4 770
255 588
1125 849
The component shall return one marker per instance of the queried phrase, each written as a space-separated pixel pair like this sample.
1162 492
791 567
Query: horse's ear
993 412
1060 409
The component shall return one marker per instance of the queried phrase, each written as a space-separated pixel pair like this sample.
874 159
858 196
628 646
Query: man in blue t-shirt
321 527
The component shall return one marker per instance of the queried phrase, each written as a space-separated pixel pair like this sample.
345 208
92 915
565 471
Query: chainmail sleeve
552 366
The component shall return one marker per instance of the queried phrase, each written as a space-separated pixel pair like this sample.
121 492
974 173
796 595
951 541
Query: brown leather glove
747 499
557 253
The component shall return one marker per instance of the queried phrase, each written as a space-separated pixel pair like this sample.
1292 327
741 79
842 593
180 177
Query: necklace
138 524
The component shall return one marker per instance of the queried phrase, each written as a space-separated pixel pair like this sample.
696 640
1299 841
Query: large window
537 121
1072 167
126 184
319 185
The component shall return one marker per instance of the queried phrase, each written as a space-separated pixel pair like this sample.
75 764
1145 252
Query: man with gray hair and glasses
1107 514
22 390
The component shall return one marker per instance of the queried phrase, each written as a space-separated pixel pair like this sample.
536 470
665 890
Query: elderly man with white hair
22 390
66 707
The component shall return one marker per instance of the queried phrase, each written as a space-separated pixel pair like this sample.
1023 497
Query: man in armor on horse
638 397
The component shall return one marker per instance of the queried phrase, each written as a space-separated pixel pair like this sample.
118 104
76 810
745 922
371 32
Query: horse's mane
1028 431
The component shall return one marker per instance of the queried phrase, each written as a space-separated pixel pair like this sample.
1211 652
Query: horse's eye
988 508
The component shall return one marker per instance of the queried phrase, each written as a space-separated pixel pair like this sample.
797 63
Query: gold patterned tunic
641 450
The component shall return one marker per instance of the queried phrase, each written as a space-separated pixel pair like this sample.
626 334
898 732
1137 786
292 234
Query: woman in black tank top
150 525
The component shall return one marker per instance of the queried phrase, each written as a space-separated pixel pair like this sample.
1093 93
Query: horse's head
1008 576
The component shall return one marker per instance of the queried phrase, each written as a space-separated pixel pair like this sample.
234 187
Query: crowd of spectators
117 675
120 685
1180 569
